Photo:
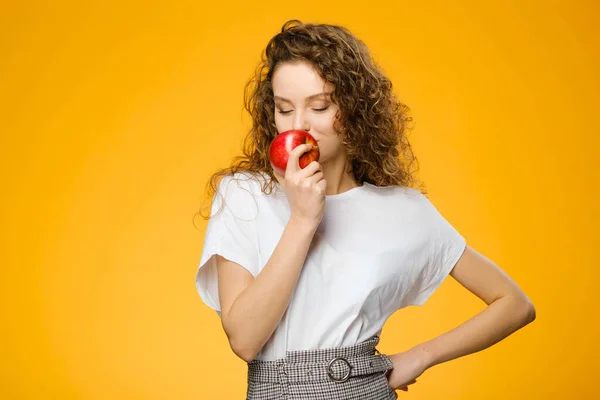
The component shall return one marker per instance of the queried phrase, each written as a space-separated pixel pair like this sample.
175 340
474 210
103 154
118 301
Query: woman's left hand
408 366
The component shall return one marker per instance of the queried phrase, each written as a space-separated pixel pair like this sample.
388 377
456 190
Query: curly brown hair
374 121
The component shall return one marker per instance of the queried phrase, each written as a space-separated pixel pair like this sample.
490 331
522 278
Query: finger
293 164
322 184
310 169
316 178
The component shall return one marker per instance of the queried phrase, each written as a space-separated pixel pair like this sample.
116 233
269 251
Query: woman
305 268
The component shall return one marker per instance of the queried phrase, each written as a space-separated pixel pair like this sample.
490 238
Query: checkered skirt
342 373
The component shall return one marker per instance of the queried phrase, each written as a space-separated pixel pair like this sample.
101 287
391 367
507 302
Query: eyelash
315 109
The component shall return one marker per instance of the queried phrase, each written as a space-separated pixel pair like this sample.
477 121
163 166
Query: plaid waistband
332 364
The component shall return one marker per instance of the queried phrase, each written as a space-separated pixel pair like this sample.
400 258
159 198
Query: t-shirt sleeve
445 245
231 233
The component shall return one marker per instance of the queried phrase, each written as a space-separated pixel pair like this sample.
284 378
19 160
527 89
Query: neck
337 178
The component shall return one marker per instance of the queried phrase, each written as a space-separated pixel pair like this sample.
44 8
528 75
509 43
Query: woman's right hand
304 187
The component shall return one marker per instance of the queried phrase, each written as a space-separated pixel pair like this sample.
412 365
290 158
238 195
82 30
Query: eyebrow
309 98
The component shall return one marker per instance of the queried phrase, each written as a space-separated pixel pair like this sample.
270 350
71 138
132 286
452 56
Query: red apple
285 142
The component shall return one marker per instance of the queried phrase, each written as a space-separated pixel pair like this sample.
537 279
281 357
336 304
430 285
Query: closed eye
314 109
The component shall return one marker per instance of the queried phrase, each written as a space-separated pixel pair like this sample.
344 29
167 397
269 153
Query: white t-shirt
377 249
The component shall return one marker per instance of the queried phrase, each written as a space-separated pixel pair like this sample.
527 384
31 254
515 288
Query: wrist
303 224
425 355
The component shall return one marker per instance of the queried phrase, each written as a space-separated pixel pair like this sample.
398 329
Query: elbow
530 312
238 342
243 350
526 310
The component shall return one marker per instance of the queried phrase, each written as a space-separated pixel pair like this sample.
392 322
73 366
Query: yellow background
114 115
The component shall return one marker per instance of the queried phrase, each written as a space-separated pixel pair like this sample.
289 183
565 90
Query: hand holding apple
285 142
300 176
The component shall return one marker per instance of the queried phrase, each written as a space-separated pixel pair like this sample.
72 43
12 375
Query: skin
299 105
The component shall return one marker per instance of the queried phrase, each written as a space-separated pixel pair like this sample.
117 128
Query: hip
351 372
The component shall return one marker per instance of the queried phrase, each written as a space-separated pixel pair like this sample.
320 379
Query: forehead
298 80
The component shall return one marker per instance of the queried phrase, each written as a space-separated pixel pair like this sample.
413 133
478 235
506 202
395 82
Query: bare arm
251 308
509 309
250 317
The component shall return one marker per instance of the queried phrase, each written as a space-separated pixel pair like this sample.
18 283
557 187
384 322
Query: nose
300 122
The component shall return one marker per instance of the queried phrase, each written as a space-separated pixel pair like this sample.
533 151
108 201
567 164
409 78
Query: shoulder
243 181
241 192
410 204
235 194
399 194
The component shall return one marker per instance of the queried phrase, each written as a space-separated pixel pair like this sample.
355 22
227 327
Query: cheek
324 123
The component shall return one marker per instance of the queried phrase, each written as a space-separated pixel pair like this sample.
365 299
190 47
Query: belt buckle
330 372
